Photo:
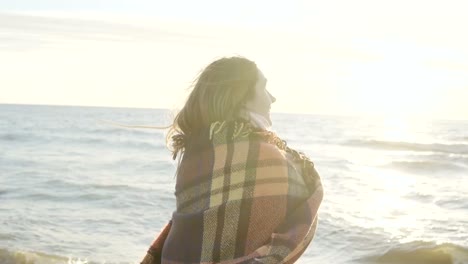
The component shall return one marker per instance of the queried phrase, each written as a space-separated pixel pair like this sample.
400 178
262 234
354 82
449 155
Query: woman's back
233 192
242 195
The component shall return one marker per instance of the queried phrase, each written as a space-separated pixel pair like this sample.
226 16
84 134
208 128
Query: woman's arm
153 255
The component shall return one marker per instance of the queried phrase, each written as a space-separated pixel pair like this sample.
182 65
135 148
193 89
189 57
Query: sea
76 189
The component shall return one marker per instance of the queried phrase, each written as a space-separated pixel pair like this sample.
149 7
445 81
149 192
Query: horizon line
273 112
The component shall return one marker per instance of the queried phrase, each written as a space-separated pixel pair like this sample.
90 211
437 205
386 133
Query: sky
336 57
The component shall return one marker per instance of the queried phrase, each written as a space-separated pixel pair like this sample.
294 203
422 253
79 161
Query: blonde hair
219 94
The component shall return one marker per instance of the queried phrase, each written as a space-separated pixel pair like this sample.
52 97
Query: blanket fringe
241 129
216 127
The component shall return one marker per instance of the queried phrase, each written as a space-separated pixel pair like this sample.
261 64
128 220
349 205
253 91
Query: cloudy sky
339 57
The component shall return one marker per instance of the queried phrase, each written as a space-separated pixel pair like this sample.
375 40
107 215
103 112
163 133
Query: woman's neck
259 120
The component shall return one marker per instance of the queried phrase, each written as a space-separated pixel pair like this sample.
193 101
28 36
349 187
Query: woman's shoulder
267 150
244 137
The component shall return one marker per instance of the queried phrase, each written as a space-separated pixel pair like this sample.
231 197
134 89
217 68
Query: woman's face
261 103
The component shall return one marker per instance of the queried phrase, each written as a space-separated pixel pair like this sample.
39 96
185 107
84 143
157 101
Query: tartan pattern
242 196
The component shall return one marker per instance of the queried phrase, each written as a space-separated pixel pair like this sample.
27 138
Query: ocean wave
32 257
67 197
72 186
9 137
422 197
109 140
16 137
426 166
129 141
421 252
457 158
3 192
127 131
7 237
454 203
409 146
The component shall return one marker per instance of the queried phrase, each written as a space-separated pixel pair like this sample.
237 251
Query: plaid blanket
243 196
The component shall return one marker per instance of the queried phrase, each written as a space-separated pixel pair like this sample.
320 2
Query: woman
243 196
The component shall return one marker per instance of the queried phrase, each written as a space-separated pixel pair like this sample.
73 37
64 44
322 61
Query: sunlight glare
400 128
